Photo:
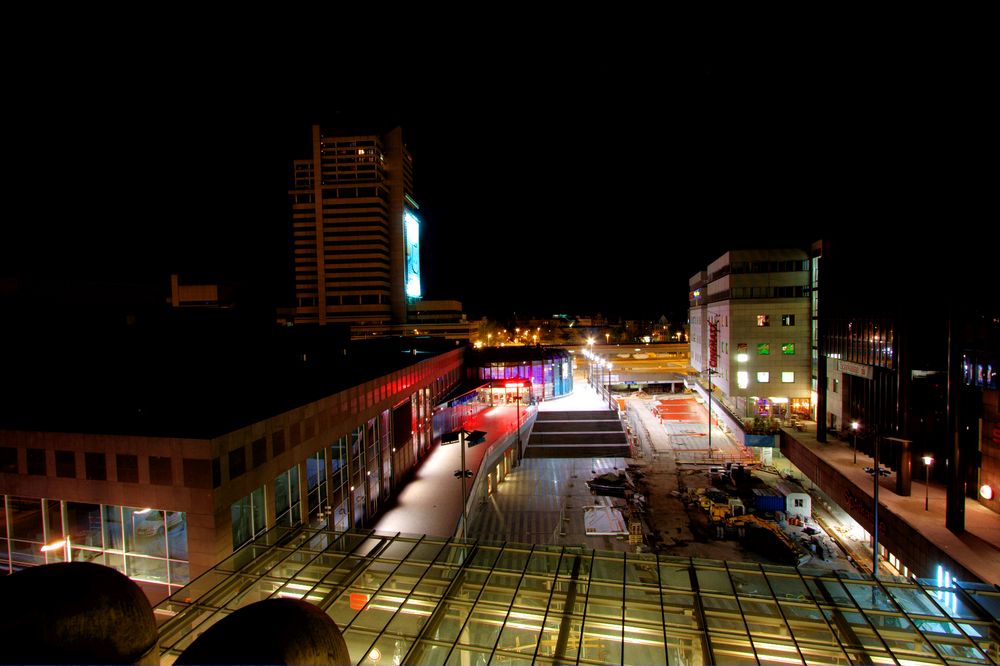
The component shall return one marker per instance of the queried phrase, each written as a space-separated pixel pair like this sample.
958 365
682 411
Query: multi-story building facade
750 324
166 478
356 229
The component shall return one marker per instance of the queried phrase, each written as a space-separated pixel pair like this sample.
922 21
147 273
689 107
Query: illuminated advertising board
412 229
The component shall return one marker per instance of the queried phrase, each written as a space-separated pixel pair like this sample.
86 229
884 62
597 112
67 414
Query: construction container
766 501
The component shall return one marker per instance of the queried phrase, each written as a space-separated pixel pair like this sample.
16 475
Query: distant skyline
593 178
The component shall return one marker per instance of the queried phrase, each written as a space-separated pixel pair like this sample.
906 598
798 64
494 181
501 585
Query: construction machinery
795 550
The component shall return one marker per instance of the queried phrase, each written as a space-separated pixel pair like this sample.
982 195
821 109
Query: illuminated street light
854 439
927 482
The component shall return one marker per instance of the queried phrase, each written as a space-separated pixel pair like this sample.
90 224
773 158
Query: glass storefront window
247 514
84 524
92 530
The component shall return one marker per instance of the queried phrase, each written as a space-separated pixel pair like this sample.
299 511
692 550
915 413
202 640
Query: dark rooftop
194 375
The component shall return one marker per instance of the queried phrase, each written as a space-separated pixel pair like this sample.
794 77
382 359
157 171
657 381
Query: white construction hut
798 503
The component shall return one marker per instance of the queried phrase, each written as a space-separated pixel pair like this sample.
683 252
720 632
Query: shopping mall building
165 497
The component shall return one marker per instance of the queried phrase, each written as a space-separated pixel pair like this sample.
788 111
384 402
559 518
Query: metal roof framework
428 600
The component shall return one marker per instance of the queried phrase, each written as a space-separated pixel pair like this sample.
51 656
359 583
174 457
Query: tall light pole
710 371
854 439
517 411
927 482
590 341
609 386
462 477
876 475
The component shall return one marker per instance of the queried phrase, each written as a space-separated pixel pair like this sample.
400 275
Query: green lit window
788 348
763 348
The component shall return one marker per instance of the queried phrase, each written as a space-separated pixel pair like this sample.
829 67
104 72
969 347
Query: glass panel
177 547
180 573
484 627
281 502
405 578
601 643
642 604
241 517
86 555
451 617
146 568
605 601
53 520
26 552
26 519
257 502
84 524
377 613
734 651
714 581
410 620
644 645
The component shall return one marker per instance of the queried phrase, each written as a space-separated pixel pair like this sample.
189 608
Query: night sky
573 175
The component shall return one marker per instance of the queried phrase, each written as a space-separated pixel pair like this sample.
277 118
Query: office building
356 228
160 452
750 326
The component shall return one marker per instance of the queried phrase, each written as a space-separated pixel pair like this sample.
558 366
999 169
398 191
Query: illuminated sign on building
856 369
713 344
412 228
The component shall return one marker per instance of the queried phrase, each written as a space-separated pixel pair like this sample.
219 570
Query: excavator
797 550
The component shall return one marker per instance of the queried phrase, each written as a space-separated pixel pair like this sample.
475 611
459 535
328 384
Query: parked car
153 523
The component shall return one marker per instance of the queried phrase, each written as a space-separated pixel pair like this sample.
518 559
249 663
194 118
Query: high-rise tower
356 230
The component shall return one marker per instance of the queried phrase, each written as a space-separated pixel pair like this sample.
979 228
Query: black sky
580 173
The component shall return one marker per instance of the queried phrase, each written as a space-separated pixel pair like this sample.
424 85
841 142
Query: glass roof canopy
429 600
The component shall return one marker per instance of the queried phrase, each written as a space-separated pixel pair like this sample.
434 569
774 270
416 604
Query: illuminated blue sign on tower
412 225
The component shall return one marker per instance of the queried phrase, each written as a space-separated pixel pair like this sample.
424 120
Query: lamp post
854 439
710 372
590 357
517 411
927 482
609 385
876 475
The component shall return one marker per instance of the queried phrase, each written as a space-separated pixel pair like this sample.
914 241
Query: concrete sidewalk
431 503
977 548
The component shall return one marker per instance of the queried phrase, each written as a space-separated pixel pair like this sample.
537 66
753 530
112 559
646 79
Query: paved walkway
431 503
977 549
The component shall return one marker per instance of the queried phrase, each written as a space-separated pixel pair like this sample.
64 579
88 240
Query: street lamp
609 385
854 439
876 471
517 408
590 356
927 482
710 373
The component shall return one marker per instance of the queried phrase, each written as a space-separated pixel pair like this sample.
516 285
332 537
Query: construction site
708 496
